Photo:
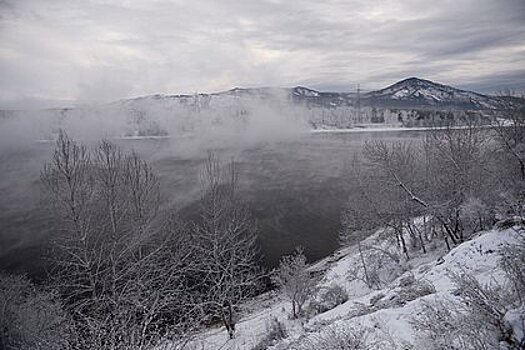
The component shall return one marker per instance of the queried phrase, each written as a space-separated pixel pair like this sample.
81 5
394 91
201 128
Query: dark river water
295 188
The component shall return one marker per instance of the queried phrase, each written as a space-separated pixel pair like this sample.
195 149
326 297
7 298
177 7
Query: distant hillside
412 102
411 93
414 92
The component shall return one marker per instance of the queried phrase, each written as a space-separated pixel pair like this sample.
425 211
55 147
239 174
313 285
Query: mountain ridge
411 92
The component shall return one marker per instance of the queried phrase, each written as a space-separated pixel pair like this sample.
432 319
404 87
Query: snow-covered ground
386 313
383 128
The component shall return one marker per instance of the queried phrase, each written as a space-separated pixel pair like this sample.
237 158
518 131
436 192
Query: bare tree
224 244
438 181
70 187
397 190
510 131
121 273
294 280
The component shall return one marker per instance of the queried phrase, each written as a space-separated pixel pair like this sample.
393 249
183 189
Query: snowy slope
407 93
387 311
414 92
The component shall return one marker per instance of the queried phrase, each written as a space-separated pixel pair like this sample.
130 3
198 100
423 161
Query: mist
173 136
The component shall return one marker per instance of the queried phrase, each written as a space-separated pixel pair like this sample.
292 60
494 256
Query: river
296 188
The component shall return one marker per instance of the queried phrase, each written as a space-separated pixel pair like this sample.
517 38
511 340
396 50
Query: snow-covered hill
408 93
409 103
391 316
414 92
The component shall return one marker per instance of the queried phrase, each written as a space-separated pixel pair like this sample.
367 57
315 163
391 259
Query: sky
66 52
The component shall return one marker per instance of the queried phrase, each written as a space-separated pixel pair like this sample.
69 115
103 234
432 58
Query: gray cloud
100 50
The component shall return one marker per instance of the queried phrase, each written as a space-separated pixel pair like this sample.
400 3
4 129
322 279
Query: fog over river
296 189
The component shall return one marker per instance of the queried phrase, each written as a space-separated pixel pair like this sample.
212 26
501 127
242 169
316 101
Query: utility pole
358 104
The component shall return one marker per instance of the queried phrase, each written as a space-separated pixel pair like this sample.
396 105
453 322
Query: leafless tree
459 172
510 130
224 244
398 189
438 180
120 271
295 281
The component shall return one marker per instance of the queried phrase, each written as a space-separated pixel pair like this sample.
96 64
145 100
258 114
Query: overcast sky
55 52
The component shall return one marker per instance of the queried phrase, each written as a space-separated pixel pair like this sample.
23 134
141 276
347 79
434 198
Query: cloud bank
66 52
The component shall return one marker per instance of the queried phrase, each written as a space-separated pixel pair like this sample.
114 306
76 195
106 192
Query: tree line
454 182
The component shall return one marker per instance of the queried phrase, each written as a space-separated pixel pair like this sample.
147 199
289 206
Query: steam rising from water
193 123
188 130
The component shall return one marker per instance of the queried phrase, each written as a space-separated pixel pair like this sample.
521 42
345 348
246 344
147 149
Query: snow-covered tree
31 317
293 278
224 244
121 276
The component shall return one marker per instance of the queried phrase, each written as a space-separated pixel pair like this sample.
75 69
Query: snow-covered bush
294 280
333 296
328 299
376 268
405 294
30 318
487 302
408 290
346 337
444 324
333 338
476 320
513 263
275 332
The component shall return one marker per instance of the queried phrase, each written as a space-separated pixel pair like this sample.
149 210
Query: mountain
411 93
410 102
415 92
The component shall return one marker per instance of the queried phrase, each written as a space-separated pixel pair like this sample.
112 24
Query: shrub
476 321
276 331
401 295
330 298
295 281
336 339
30 318
513 263
355 337
377 267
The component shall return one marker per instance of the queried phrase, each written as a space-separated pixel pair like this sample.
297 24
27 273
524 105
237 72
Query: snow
383 128
478 256
516 320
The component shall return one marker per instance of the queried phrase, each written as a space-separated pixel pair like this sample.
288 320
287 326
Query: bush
30 318
294 280
355 337
336 339
476 321
513 263
408 290
330 298
445 324
377 267
276 332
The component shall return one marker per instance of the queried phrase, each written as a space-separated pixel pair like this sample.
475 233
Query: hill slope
407 93
383 318
414 92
